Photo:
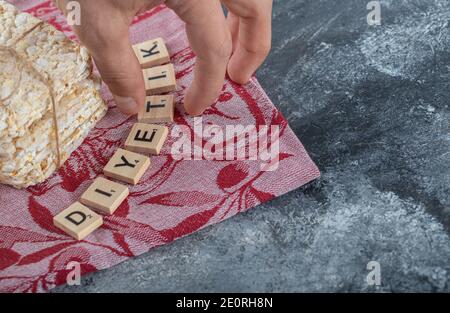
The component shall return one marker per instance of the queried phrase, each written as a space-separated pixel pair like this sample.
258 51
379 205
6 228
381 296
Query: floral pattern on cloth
174 198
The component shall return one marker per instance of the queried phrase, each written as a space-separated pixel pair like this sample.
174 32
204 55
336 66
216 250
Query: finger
106 37
122 73
254 39
210 39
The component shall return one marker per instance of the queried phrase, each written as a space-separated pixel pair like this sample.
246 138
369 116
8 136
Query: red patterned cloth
174 199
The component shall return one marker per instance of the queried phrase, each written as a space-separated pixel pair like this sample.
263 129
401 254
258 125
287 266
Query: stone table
371 105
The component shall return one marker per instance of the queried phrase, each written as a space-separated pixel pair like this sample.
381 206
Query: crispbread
54 55
42 75
14 24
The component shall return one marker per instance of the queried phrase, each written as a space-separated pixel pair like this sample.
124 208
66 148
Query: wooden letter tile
157 109
105 195
127 166
152 53
160 79
146 138
78 221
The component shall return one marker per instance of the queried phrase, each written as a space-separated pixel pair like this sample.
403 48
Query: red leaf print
183 199
213 110
12 235
72 177
190 224
123 209
278 119
253 107
42 254
226 96
284 156
62 275
120 240
231 175
254 197
42 216
135 230
59 263
42 188
8 257
261 195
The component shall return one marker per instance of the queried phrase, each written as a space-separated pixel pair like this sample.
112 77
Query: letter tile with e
146 138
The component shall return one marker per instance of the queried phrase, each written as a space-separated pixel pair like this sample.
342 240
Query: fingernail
126 105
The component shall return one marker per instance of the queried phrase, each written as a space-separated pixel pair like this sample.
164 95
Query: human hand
238 44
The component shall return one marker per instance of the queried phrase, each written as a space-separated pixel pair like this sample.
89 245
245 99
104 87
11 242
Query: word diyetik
128 165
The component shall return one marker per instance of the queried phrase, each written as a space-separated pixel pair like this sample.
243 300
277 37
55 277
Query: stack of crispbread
41 72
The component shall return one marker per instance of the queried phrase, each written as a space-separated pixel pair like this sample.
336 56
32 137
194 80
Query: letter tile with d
78 221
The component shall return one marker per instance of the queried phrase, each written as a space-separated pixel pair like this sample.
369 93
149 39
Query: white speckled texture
371 105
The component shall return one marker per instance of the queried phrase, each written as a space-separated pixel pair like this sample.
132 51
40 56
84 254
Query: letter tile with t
78 221
157 109
105 195
126 166
146 138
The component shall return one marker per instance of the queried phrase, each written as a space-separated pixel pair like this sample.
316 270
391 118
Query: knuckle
254 9
97 37
261 49
116 78
217 51
226 48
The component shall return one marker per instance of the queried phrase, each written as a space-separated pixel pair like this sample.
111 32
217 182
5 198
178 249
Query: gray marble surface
371 105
